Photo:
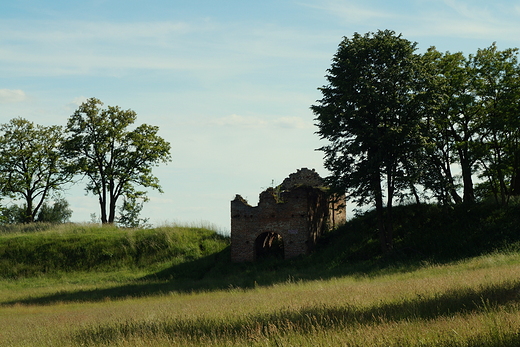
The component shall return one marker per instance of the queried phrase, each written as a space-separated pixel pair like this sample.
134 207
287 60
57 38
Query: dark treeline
433 127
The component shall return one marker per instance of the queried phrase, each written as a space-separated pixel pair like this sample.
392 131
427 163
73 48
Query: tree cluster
37 162
407 126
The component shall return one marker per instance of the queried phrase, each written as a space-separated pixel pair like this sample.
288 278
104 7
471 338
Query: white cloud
235 120
353 11
292 123
77 101
12 95
54 32
202 48
448 18
240 121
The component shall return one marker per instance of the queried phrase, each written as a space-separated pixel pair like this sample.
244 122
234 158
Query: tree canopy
423 126
101 145
31 165
370 116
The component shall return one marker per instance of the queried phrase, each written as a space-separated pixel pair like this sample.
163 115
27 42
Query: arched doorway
269 244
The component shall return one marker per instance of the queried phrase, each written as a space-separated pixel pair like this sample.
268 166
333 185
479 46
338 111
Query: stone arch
269 244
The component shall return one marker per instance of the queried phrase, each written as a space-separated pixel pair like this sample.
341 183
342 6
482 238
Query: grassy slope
186 259
346 291
474 302
72 248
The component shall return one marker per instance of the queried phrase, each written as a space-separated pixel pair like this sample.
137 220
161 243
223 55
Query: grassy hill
70 248
452 281
198 258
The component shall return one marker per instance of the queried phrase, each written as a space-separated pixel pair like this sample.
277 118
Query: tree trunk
386 246
451 187
469 195
112 211
112 203
103 211
515 176
515 181
29 218
389 225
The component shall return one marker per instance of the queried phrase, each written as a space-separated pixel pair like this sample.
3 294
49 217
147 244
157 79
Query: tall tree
31 167
114 159
496 84
370 114
451 124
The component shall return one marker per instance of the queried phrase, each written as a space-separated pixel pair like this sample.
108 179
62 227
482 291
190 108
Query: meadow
326 299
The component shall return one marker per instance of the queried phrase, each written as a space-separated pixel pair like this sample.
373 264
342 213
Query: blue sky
229 83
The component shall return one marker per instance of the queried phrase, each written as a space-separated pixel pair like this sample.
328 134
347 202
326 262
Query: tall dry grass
470 303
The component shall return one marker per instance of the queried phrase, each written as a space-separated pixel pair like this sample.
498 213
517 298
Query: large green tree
496 85
472 121
370 114
450 125
31 166
114 158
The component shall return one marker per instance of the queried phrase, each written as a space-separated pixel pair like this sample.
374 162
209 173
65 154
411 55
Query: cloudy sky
229 83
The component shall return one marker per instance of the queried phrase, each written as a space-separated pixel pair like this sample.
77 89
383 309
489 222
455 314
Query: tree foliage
31 164
370 115
129 213
57 213
401 124
101 145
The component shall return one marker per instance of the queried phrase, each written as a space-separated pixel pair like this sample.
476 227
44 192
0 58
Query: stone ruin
288 220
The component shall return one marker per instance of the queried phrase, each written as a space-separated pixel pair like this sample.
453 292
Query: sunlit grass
475 302
89 247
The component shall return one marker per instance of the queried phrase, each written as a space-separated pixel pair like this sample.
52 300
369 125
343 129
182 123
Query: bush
58 213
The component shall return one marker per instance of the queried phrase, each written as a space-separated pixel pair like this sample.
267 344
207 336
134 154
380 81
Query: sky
229 83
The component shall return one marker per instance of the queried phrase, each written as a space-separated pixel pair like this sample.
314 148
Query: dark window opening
269 244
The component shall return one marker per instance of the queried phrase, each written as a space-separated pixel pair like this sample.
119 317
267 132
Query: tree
473 121
113 158
31 166
370 114
129 213
451 125
58 213
496 84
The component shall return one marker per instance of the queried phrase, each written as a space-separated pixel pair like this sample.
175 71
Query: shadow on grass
214 272
317 318
352 250
191 276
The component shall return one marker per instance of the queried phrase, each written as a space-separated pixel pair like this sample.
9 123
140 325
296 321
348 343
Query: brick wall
299 215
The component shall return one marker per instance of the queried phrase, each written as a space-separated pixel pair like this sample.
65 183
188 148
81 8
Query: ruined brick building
288 220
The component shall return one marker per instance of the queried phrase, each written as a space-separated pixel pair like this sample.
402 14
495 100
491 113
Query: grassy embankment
453 281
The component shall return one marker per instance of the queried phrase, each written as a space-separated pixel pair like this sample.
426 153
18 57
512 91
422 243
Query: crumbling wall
303 177
288 219
298 213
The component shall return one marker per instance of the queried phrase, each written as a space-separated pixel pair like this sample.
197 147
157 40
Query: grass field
475 302
175 286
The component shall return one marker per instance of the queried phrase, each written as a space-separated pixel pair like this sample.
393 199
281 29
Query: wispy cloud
449 18
198 46
75 103
12 95
292 123
257 122
235 120
69 31
352 11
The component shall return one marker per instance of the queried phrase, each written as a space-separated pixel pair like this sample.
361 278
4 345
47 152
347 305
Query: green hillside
197 258
452 280
92 248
